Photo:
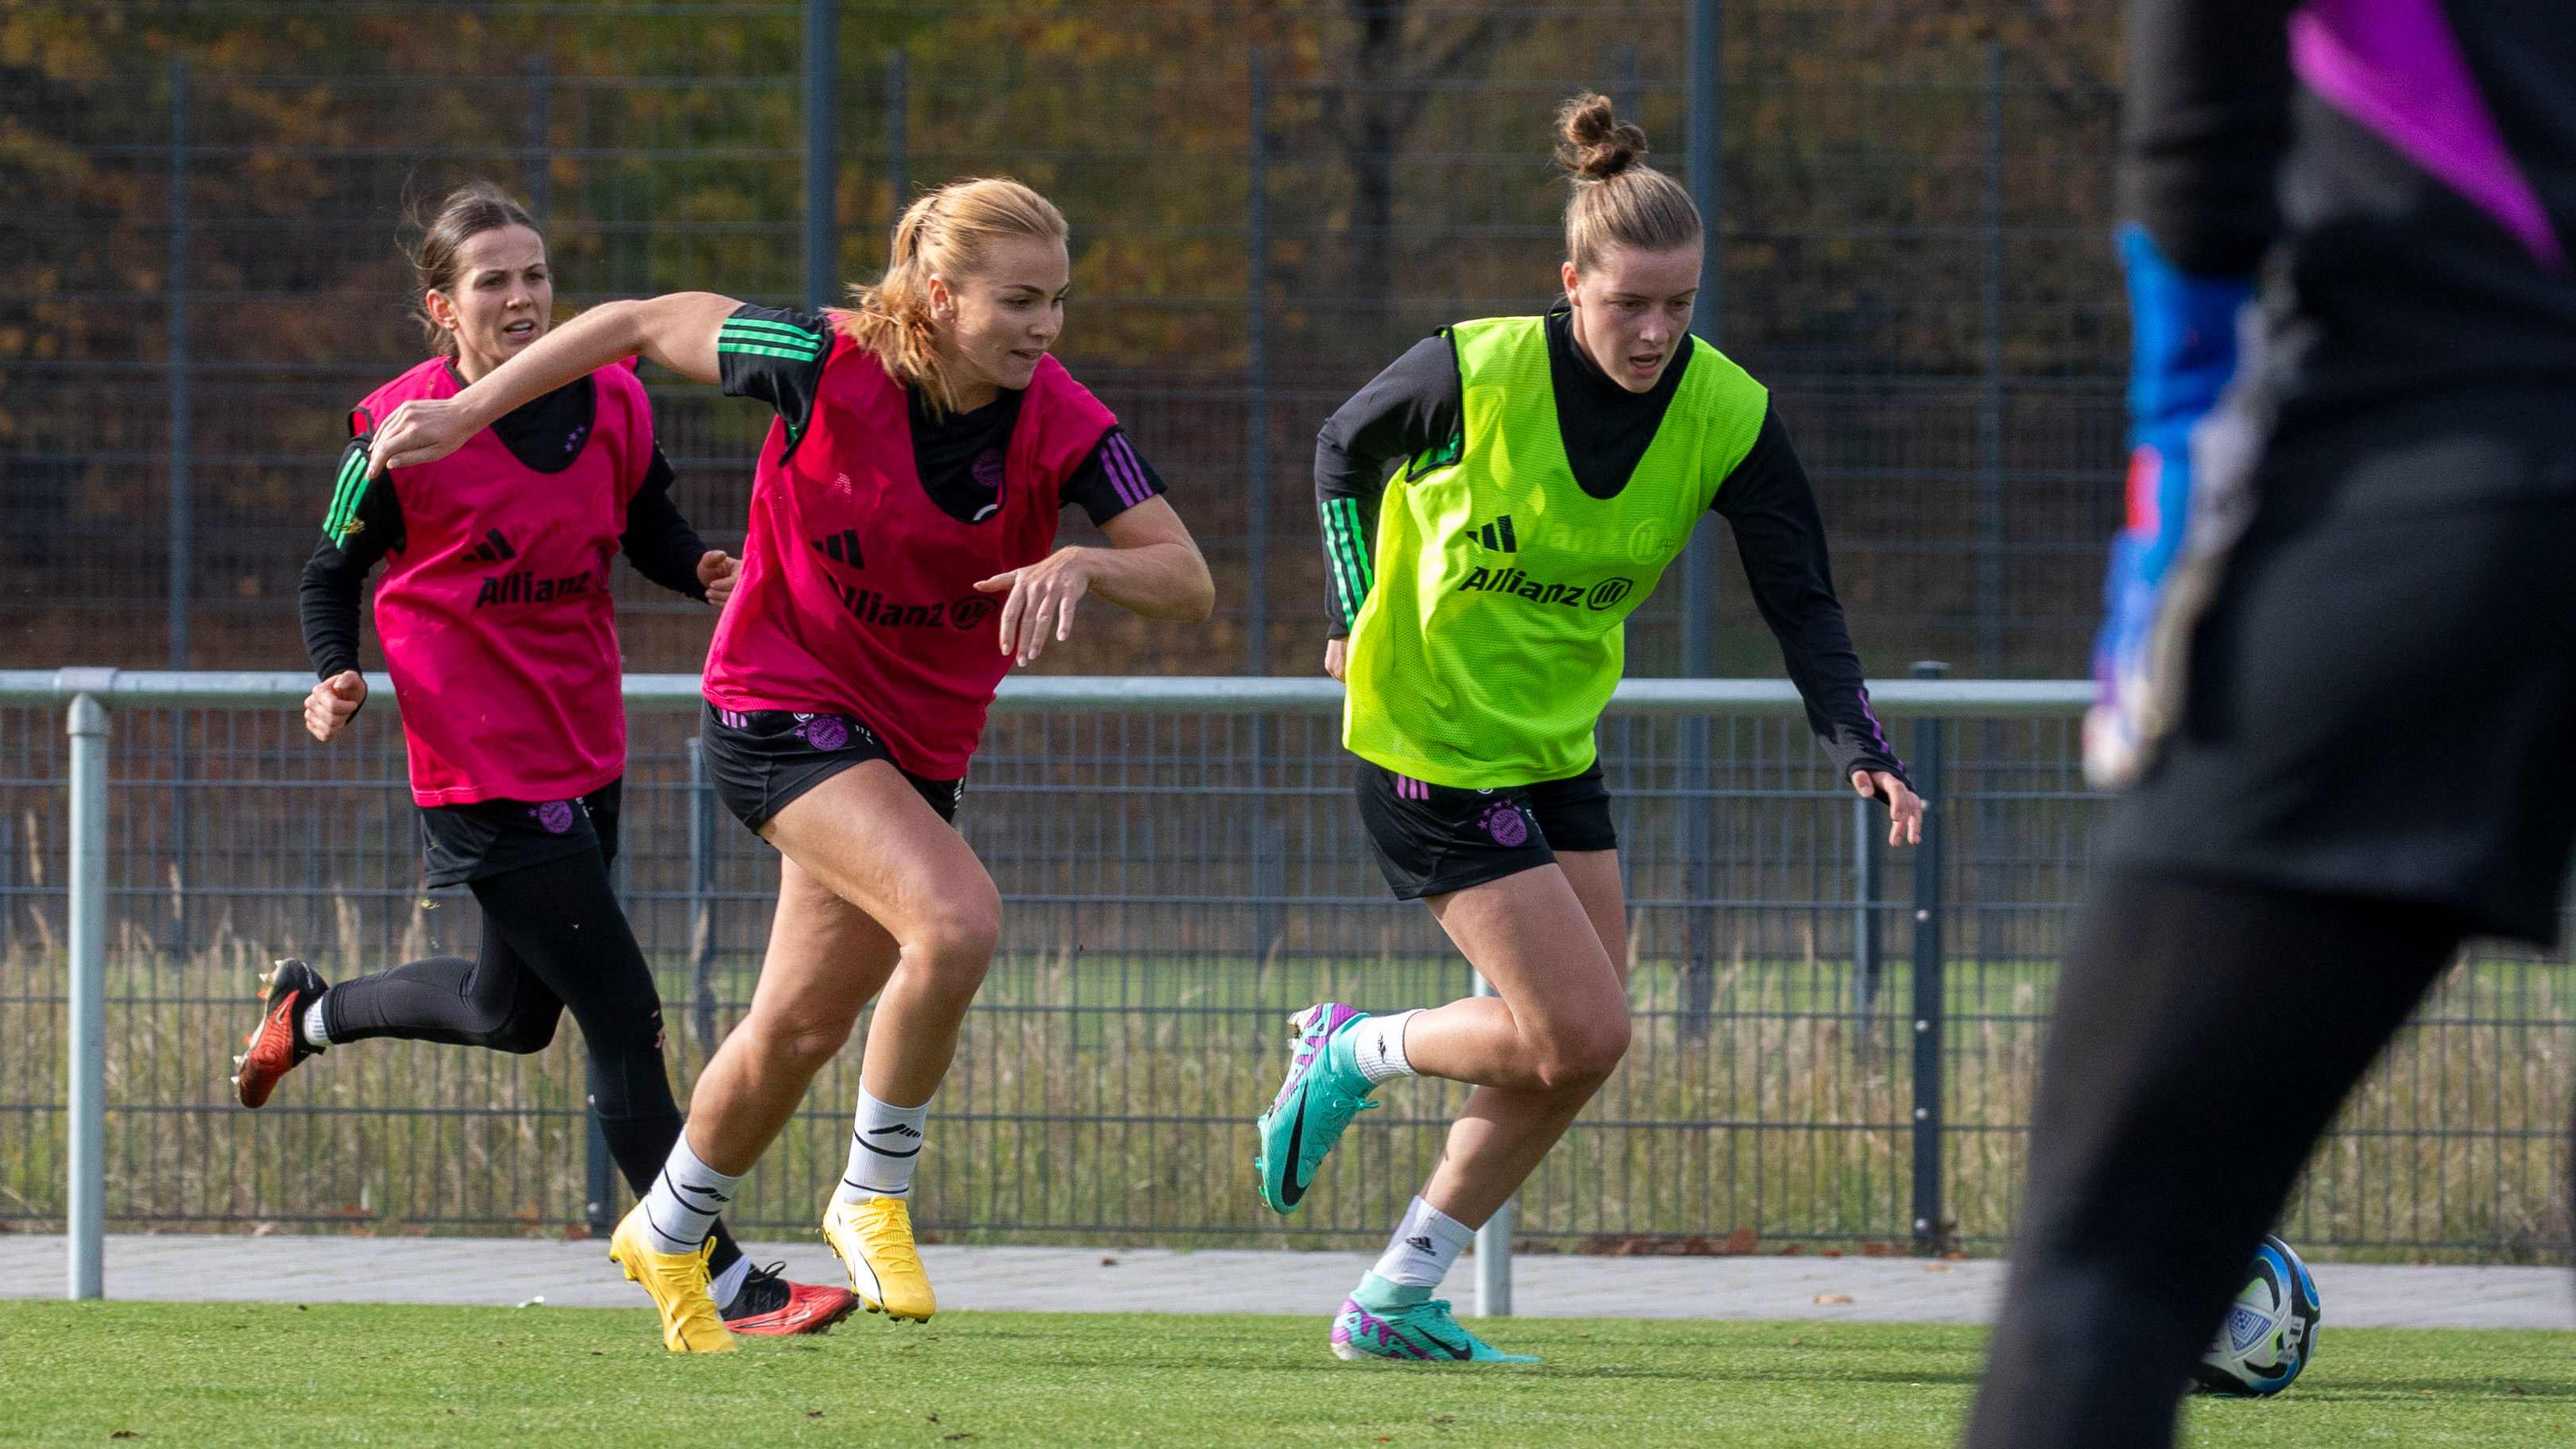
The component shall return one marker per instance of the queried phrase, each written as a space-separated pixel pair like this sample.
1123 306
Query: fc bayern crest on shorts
825 732
1507 825
555 815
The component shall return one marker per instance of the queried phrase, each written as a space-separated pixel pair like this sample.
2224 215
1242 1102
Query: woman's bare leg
876 893
1554 943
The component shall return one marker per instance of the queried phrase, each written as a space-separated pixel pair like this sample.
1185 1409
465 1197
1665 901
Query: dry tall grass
1109 1099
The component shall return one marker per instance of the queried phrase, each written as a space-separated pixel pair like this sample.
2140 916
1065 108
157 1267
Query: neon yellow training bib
1492 635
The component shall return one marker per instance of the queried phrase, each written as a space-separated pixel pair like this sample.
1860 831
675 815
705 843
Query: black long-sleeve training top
2407 167
1416 404
540 433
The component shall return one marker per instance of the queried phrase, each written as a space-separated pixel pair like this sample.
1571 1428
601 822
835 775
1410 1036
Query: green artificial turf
212 1374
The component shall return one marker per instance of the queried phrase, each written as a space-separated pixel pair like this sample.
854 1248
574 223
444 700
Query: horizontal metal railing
1041 693
1835 1044
87 694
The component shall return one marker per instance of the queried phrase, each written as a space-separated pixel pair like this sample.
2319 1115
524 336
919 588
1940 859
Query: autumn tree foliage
1406 144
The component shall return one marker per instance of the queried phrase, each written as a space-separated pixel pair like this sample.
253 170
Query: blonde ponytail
944 233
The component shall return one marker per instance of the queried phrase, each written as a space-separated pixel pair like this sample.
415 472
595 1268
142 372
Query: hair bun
1592 142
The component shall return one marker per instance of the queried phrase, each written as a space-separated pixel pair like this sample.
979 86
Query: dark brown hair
469 211
1618 200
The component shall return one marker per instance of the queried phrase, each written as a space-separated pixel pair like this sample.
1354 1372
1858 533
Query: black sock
554 939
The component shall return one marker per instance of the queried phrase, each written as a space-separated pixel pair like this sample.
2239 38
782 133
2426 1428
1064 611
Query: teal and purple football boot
1324 1091
1384 1322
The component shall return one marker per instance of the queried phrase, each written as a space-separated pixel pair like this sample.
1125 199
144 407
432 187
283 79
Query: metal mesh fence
202 273
1175 884
199 274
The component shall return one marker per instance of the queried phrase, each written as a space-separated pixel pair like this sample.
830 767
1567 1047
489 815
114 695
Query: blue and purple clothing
2413 161
2403 172
2362 667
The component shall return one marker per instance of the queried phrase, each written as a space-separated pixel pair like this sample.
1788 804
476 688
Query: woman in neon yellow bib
1549 468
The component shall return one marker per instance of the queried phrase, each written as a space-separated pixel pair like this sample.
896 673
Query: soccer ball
2271 1329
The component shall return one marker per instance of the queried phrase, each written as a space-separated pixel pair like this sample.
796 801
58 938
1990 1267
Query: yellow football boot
678 1285
874 1238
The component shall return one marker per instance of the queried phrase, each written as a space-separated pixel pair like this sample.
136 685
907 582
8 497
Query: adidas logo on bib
841 547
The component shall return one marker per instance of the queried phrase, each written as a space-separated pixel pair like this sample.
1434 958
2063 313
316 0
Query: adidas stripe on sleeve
1411 407
1347 563
363 523
775 355
345 494
1113 479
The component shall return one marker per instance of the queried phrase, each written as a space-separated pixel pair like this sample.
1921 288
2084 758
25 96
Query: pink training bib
857 593
495 614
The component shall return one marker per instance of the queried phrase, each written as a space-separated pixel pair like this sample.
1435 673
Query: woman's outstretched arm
1780 534
1154 570
677 331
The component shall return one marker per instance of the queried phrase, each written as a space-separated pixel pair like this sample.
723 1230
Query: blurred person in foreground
2341 650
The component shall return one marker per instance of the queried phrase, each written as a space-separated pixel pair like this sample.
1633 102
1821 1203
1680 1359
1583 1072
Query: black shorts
2379 694
1431 840
492 837
762 760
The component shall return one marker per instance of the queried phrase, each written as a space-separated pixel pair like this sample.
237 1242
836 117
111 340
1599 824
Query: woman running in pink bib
901 558
499 633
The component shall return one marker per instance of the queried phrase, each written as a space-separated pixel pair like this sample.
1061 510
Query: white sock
1377 1043
884 1146
729 1282
317 1033
685 1201
1424 1245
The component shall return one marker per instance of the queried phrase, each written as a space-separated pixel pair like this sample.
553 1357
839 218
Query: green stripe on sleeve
1354 543
1343 551
728 344
1343 573
780 337
776 336
1359 547
1333 558
787 330
1340 574
345 495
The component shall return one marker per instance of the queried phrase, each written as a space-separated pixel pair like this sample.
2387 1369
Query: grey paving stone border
288 1269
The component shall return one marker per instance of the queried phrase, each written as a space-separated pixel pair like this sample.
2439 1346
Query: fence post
822 162
599 1171
898 119
1928 1033
702 906
1494 1240
1704 142
1256 378
183 503
1267 919
599 1162
536 164
1990 402
1704 147
1865 942
183 530
85 1197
